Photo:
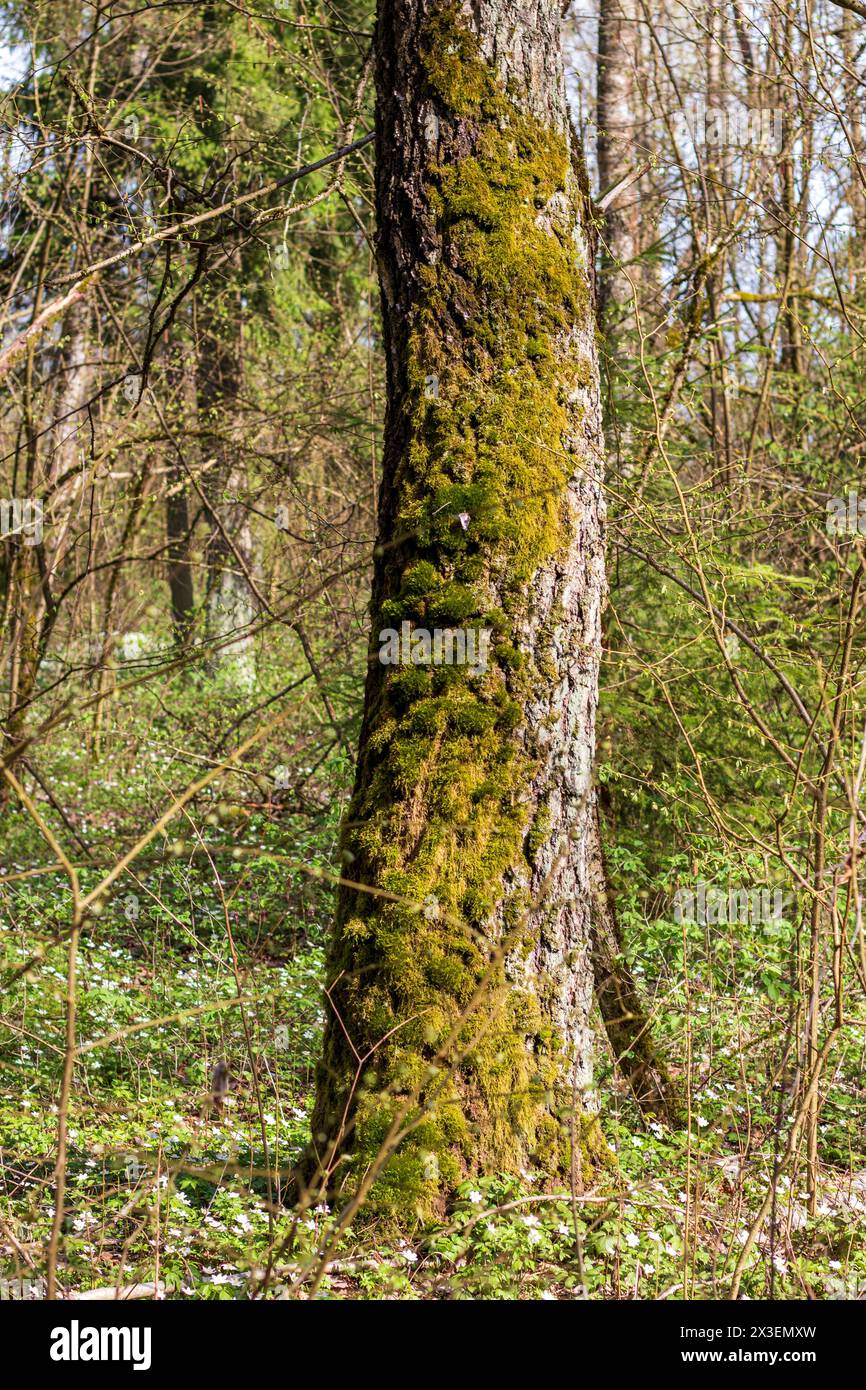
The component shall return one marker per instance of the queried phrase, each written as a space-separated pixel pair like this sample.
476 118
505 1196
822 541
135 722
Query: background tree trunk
230 606
627 1025
180 381
460 970
35 569
615 150
619 124
180 578
855 135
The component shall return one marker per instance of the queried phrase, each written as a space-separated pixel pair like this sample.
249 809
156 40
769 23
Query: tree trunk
626 1023
460 971
36 566
788 256
854 135
181 585
71 429
615 151
180 579
230 607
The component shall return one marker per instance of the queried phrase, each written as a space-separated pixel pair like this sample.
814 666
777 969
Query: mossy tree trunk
460 972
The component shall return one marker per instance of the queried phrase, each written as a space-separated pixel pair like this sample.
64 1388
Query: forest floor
235 900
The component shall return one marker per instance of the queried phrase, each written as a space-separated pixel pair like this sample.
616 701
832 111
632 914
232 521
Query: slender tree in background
615 146
628 1028
460 967
229 603
230 607
181 581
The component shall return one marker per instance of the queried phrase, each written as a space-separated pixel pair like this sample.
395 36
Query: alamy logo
131 907
131 387
23 1290
443 646
747 128
22 516
76 1343
708 905
846 516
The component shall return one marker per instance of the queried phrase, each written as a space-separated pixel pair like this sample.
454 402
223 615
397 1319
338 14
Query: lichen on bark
460 968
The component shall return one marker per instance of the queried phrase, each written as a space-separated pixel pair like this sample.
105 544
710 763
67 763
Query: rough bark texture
461 971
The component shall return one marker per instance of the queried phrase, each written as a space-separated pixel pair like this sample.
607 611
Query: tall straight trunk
856 185
180 577
627 1026
34 611
459 971
615 149
717 178
230 607
60 488
616 154
229 603
181 586
787 241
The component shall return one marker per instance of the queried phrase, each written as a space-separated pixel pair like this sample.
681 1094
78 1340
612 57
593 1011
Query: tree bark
855 136
460 971
625 1020
180 577
788 257
615 150
36 567
230 606
181 585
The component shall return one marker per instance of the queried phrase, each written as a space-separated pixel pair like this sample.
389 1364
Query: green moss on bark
441 821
